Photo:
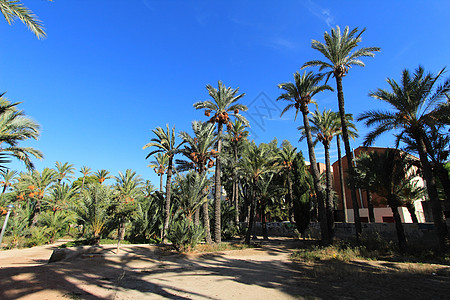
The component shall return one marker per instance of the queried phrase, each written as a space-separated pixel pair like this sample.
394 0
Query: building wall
381 209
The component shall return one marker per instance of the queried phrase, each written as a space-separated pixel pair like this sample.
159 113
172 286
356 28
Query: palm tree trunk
218 189
349 154
341 178
330 204
370 206
316 179
36 213
251 217
290 199
160 182
167 203
442 174
235 195
197 217
263 220
399 228
206 222
436 206
412 212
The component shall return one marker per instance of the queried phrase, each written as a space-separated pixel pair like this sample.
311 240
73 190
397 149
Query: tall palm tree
300 94
340 51
165 142
236 134
256 161
324 127
64 170
160 166
85 171
12 9
14 128
222 105
62 197
193 191
200 153
286 157
352 133
417 104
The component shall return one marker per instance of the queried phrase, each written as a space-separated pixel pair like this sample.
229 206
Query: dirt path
146 272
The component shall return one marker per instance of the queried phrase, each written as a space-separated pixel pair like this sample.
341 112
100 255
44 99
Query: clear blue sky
110 71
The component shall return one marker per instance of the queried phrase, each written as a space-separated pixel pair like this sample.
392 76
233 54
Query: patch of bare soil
149 272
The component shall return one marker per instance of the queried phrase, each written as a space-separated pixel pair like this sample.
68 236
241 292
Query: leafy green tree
223 102
13 9
324 128
300 94
165 142
14 128
417 104
340 51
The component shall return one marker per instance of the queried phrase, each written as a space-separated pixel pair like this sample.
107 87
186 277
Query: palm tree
12 9
62 197
352 133
160 166
85 171
390 174
102 175
92 209
339 50
223 102
410 193
14 128
63 170
300 95
286 157
364 179
417 104
256 161
236 134
324 127
193 191
165 142
34 186
199 151
128 188
8 178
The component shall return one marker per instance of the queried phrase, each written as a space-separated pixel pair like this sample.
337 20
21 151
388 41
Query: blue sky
110 71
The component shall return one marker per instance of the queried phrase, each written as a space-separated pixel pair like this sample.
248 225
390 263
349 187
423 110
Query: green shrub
184 235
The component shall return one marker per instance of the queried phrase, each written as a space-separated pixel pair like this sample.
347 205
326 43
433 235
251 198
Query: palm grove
221 179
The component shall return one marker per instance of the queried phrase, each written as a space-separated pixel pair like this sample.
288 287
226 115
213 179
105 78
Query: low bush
184 235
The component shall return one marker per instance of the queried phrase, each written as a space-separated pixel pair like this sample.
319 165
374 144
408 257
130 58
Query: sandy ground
145 272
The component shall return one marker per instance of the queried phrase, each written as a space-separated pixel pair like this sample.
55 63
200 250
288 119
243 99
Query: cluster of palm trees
250 174
49 204
420 110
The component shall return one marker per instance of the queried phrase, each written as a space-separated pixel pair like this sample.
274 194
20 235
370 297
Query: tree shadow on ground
145 271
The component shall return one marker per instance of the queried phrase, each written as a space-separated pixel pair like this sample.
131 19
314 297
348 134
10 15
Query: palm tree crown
12 9
338 49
